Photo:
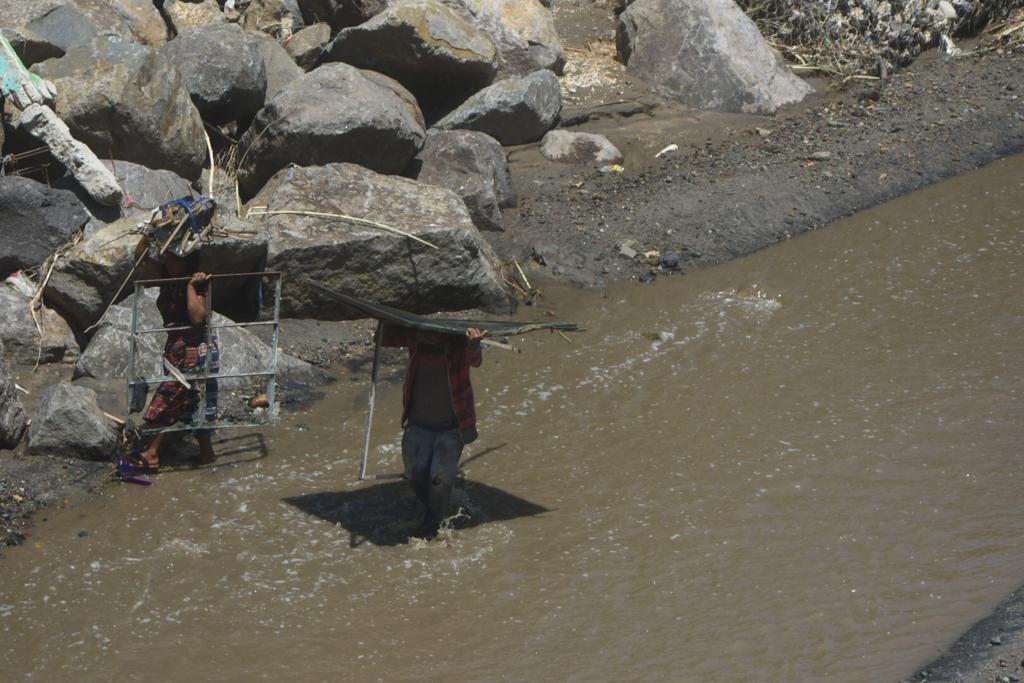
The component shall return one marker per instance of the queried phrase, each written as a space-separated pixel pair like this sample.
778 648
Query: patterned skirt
186 350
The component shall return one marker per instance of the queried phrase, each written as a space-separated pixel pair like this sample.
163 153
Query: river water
803 465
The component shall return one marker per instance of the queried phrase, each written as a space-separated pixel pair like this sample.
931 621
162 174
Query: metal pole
377 337
132 348
275 340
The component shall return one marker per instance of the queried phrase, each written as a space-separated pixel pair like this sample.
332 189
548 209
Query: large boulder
513 112
123 100
280 67
42 29
306 45
107 355
341 13
12 414
472 165
369 262
223 70
579 148
36 220
706 54
422 44
522 30
19 333
69 421
185 14
333 113
85 280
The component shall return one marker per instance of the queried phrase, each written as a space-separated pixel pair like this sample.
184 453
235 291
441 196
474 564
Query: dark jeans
431 460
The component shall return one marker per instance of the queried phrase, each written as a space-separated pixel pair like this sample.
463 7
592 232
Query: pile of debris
849 37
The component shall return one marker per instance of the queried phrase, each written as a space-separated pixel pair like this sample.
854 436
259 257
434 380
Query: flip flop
127 472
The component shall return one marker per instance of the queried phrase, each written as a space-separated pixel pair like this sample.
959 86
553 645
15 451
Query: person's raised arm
197 301
474 355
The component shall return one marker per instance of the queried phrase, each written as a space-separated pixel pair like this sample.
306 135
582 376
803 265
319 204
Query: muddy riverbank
740 183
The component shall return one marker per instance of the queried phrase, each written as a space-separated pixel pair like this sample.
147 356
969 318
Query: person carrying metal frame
190 349
438 413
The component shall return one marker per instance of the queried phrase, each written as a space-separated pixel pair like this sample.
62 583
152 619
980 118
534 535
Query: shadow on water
387 514
182 450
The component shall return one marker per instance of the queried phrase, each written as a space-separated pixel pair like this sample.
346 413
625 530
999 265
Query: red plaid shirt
460 356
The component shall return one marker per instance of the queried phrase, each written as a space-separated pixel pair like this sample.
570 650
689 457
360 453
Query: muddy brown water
800 466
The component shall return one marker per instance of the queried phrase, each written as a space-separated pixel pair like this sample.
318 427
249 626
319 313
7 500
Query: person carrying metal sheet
438 413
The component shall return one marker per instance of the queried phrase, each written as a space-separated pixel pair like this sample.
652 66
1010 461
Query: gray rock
340 13
333 113
107 355
69 421
306 45
12 414
85 280
473 166
423 45
223 70
19 333
707 54
121 99
36 220
277 17
186 14
87 277
579 148
522 30
43 29
280 67
513 111
369 262
146 189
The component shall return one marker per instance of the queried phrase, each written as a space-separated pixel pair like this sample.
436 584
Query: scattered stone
513 111
995 640
473 166
369 262
186 14
423 45
670 260
577 148
627 251
707 54
123 99
333 113
36 220
19 333
69 421
223 70
820 156
83 534
306 45
522 30
12 415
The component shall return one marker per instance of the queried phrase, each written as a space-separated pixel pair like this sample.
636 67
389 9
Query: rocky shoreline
653 187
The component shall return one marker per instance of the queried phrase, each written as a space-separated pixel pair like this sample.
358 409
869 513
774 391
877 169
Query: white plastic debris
92 175
671 148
